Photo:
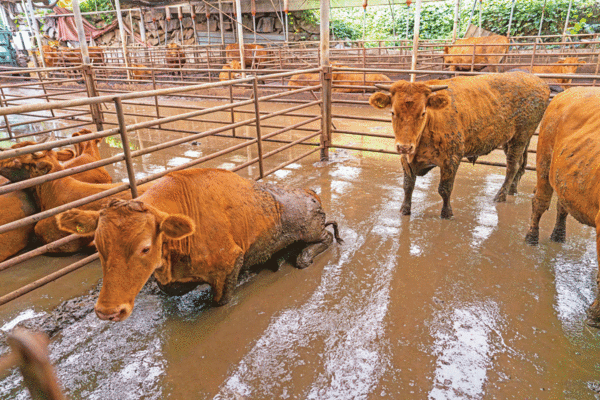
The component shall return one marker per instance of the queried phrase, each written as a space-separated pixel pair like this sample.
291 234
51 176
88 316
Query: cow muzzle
404 148
116 314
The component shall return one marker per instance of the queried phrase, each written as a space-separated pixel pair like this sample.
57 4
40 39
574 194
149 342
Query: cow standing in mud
196 226
568 162
437 123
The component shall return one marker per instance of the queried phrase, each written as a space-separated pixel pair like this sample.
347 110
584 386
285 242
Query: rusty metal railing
258 120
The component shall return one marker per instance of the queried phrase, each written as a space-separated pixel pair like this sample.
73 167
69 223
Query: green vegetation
98 5
437 19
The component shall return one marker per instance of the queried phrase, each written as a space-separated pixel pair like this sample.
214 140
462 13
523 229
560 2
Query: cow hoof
513 191
301 264
558 236
500 198
532 239
447 213
405 210
593 315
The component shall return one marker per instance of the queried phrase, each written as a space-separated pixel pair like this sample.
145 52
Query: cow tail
336 232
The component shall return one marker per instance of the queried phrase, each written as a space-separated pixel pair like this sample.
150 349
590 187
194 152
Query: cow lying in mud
568 155
196 226
437 123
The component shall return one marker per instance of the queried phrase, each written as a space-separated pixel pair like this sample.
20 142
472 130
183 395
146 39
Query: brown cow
462 53
87 152
568 154
233 65
175 57
254 54
558 68
339 78
471 118
196 226
139 73
356 79
15 206
56 193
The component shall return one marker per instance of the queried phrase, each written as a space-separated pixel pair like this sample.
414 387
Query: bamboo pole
240 31
221 28
567 21
456 15
416 40
542 18
85 56
512 10
123 38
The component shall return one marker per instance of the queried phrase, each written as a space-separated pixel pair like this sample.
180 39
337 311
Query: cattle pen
316 134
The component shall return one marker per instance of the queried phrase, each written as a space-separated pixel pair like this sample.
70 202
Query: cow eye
423 113
393 114
146 250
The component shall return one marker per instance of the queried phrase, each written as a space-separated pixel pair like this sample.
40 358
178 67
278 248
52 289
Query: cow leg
594 310
410 178
223 293
540 202
560 228
447 175
520 172
307 255
514 153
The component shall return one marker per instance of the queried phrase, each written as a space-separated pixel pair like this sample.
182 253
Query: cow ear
177 226
65 154
446 49
77 221
44 167
437 101
380 100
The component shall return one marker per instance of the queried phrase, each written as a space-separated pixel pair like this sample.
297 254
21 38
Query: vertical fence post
258 133
512 10
232 111
6 121
567 22
155 96
456 15
123 38
126 149
90 86
325 81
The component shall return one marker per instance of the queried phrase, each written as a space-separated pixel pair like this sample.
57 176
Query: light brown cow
175 57
568 162
140 74
254 54
558 68
56 193
488 51
437 123
87 152
15 206
339 78
356 79
197 226
232 66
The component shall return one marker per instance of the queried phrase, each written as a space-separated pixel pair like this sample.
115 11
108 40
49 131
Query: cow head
410 105
129 237
89 147
571 69
30 165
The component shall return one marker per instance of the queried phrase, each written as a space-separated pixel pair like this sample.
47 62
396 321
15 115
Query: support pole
391 3
253 11
407 20
326 81
542 19
126 149
221 28
180 18
207 27
143 27
193 15
456 15
286 9
415 54
567 21
36 30
123 38
512 10
471 16
480 7
240 31
364 20
85 56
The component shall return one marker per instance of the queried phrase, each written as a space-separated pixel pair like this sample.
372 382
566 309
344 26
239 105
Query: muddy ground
408 307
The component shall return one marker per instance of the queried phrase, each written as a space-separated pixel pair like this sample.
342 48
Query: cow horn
435 88
383 87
